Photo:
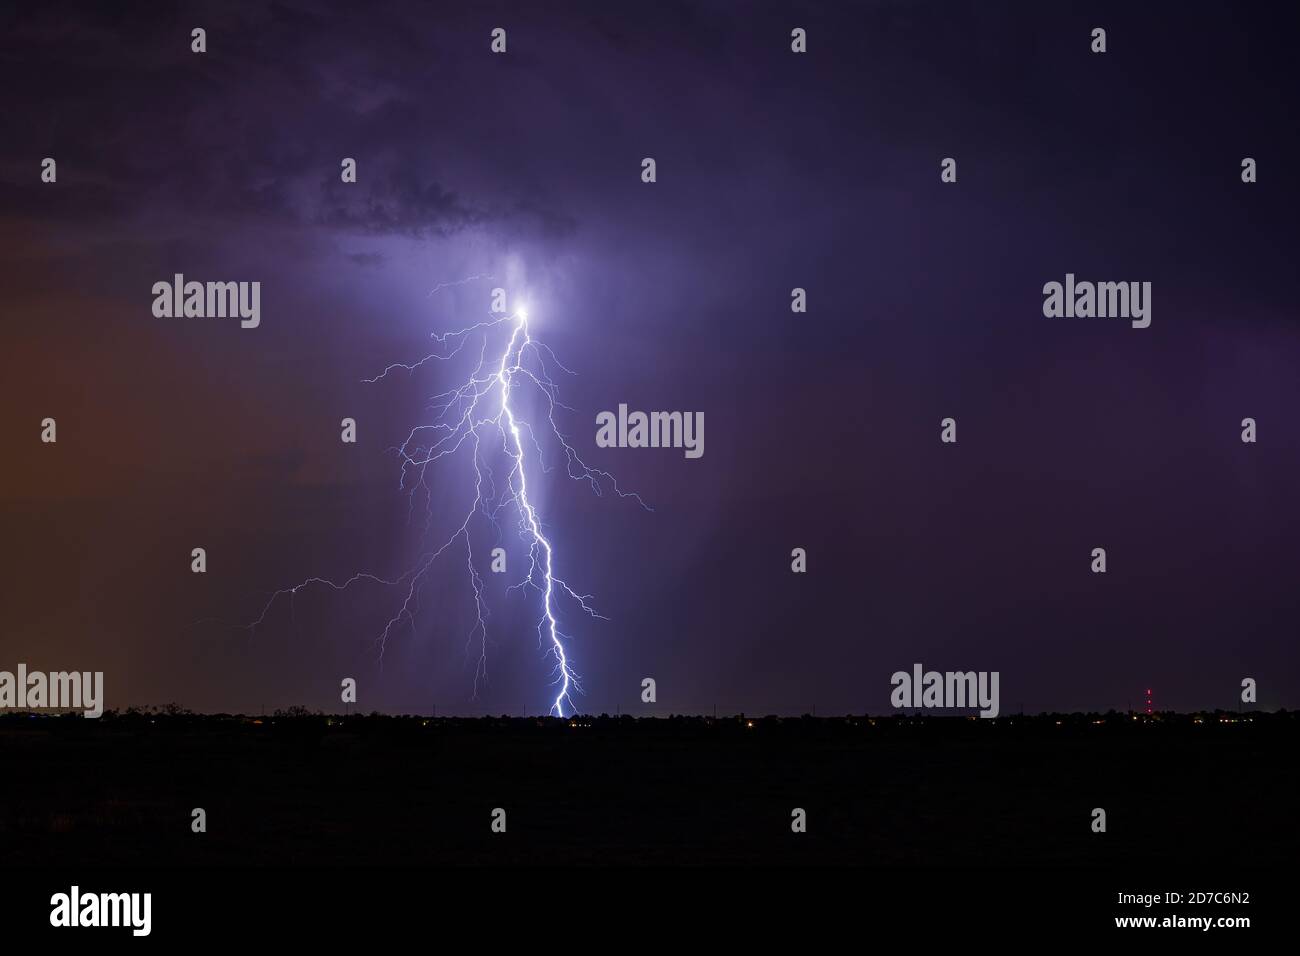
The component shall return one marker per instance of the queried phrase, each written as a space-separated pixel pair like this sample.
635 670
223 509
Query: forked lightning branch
493 421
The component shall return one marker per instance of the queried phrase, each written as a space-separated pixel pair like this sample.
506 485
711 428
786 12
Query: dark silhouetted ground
1204 790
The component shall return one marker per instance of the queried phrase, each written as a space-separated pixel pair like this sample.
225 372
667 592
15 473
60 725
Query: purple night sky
774 171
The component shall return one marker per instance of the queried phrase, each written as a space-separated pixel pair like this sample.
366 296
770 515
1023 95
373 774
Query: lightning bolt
486 415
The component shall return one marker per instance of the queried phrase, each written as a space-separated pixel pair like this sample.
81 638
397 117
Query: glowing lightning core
506 377
470 414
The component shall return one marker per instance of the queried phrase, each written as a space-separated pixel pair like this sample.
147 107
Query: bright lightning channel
483 413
